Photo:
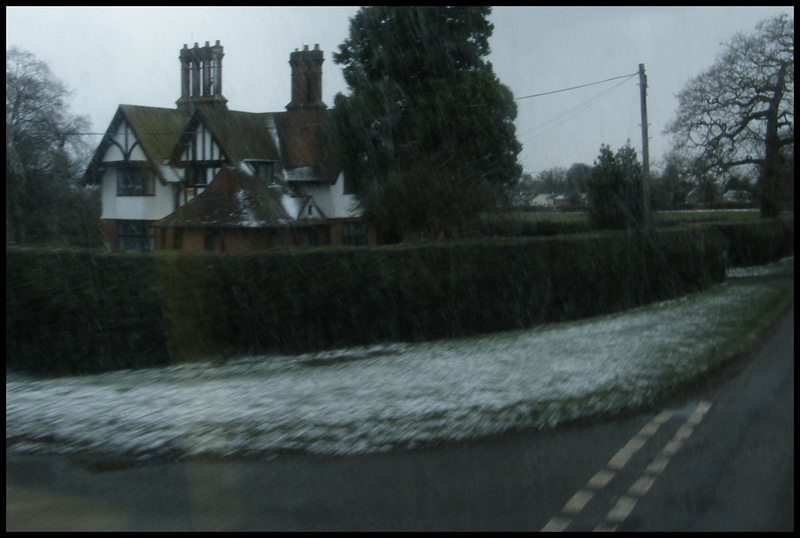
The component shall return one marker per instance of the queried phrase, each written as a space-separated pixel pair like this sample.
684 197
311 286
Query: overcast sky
113 56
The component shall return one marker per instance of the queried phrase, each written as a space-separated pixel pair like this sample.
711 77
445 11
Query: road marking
642 486
620 459
702 407
639 489
621 510
605 527
600 480
577 502
685 430
658 464
556 524
636 443
625 505
672 447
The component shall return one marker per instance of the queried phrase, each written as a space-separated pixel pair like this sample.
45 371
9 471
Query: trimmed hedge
73 311
519 226
758 242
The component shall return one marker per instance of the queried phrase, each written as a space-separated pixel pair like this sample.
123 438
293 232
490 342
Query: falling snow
373 399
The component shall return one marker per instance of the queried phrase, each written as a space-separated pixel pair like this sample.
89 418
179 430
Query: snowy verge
400 395
782 267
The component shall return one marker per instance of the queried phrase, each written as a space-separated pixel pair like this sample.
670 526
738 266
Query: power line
576 87
559 119
568 114
465 106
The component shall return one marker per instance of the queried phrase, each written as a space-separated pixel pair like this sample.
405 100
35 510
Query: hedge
758 242
71 311
78 311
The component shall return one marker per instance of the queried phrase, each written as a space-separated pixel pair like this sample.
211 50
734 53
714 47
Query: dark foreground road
718 457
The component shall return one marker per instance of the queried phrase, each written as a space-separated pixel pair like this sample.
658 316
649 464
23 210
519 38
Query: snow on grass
372 399
781 267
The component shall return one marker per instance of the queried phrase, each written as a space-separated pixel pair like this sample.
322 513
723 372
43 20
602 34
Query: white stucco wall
124 138
135 207
131 207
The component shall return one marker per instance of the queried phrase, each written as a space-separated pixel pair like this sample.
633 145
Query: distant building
544 200
169 175
737 197
696 196
561 201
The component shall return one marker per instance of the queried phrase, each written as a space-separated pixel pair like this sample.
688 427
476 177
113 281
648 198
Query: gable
139 133
198 143
233 199
123 145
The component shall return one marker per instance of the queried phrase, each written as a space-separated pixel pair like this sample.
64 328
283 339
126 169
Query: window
135 235
196 175
310 237
135 180
355 234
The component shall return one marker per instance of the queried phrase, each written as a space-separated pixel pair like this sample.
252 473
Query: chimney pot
305 47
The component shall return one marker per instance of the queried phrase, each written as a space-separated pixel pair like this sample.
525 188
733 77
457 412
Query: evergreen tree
426 134
615 190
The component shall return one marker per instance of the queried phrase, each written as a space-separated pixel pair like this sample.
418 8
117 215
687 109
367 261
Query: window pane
135 181
135 235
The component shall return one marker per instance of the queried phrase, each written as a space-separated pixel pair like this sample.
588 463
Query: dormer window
263 170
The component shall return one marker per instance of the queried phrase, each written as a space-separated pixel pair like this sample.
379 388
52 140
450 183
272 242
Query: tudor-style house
201 176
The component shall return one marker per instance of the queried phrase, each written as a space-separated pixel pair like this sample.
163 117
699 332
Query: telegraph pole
645 149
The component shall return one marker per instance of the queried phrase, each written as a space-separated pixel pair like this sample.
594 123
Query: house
168 175
522 199
734 196
561 202
239 212
544 200
704 194
693 197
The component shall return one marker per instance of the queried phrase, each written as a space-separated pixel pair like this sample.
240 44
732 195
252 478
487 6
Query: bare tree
45 152
740 111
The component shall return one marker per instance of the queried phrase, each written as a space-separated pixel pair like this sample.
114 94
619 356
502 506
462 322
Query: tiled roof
242 135
234 199
156 129
326 169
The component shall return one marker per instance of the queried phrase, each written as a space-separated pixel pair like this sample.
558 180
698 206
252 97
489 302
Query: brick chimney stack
306 111
306 77
201 77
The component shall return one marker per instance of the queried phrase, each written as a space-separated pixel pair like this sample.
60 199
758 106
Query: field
662 218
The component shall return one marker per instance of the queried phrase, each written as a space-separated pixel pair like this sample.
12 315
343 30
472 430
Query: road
719 456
